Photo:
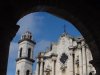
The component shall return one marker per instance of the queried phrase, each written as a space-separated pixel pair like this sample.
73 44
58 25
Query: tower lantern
25 58
27 35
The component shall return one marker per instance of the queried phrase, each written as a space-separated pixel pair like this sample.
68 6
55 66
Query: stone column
54 67
71 48
89 57
80 60
84 59
37 67
54 57
41 66
77 65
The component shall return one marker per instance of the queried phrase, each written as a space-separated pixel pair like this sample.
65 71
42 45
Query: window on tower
27 72
18 72
20 52
29 52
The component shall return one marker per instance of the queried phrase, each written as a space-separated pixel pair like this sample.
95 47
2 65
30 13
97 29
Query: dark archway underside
84 15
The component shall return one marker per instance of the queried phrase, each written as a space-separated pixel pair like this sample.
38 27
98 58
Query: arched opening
69 17
88 40
29 52
20 53
27 72
18 72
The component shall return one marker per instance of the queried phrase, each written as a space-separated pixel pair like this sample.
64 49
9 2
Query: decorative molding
27 40
18 59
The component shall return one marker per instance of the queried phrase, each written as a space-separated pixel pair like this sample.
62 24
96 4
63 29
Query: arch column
96 64
6 36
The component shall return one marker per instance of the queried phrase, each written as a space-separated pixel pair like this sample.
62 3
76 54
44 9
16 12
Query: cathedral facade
68 56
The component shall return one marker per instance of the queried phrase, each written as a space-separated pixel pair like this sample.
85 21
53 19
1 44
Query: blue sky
45 28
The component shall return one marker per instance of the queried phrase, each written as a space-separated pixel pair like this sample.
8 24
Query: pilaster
54 58
80 60
37 67
71 48
84 59
41 66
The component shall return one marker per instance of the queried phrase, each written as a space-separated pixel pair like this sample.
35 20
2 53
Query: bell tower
25 58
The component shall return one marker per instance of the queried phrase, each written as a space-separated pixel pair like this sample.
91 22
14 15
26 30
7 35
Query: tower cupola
27 35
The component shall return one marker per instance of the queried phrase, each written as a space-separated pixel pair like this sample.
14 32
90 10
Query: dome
27 35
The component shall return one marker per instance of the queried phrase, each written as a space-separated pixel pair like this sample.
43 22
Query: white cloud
12 56
13 48
31 22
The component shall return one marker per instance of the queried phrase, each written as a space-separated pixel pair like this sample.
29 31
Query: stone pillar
80 60
77 65
73 63
41 66
37 67
72 60
75 68
89 57
84 60
54 67
54 58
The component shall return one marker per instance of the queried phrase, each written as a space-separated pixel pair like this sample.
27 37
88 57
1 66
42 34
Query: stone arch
89 15
69 17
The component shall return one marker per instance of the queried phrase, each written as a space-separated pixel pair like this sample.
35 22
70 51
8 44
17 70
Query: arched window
27 72
20 52
18 72
29 52
90 73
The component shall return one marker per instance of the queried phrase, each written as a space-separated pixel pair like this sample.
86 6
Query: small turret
25 57
26 35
